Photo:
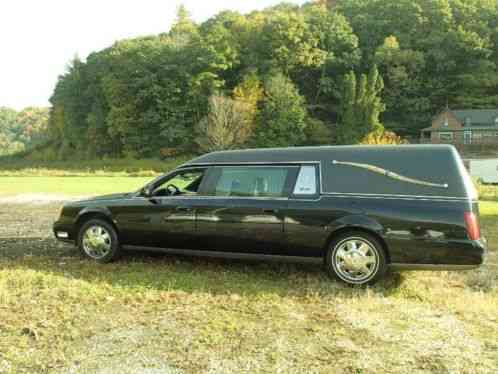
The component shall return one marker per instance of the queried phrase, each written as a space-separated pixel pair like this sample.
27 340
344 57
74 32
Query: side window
306 183
183 183
253 181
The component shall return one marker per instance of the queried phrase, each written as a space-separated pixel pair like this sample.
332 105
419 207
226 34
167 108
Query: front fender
93 210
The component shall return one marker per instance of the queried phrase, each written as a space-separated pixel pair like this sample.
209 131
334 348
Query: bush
383 137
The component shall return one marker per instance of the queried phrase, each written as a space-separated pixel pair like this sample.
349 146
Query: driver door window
184 183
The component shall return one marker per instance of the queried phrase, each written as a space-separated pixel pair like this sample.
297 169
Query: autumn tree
224 127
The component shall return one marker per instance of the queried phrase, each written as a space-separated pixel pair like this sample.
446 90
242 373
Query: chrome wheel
355 260
97 242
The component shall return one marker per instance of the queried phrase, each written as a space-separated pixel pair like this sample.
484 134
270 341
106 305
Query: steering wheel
172 189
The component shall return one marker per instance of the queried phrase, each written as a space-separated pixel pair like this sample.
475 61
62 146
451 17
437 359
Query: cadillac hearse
356 209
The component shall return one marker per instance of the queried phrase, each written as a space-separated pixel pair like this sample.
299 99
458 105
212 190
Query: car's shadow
158 271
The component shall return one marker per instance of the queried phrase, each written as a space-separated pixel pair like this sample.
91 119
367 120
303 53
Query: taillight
472 224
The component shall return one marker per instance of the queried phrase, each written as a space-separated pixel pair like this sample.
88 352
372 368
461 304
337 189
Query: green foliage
283 116
445 53
144 94
361 107
24 130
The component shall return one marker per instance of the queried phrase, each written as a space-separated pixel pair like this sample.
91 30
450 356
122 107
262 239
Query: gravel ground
38 199
162 314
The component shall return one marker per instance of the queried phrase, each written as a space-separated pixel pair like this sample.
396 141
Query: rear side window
253 181
306 183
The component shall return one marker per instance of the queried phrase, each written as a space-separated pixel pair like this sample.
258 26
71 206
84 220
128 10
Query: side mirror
146 191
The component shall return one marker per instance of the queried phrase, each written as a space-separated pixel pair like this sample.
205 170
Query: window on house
477 135
487 134
446 136
467 121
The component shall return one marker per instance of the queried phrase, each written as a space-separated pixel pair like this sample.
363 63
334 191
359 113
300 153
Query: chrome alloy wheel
97 242
356 260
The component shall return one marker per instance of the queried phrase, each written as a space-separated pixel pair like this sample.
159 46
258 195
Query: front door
245 209
167 218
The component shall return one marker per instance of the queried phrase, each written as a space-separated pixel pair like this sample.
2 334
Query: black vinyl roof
307 154
421 170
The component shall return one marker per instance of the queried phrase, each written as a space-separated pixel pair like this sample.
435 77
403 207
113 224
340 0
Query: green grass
62 313
105 167
76 186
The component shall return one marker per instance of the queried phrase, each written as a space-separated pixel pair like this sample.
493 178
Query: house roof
445 129
478 117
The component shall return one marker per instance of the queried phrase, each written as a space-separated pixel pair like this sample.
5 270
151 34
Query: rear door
306 218
244 211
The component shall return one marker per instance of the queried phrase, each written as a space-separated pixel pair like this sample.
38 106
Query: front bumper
64 232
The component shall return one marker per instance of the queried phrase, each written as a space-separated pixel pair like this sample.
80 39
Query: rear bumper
476 256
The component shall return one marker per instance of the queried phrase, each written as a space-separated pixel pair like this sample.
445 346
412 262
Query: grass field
15 167
70 186
163 314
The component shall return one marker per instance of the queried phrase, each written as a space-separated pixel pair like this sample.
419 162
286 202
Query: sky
39 38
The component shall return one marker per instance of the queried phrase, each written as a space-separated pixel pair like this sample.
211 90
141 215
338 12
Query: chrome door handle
270 211
184 209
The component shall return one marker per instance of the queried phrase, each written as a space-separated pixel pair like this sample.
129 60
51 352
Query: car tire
98 240
356 258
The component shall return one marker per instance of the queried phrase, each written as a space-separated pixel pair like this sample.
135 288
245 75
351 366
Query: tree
402 71
143 94
283 116
20 131
223 127
251 93
361 107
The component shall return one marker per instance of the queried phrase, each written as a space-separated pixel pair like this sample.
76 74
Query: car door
244 209
305 217
166 219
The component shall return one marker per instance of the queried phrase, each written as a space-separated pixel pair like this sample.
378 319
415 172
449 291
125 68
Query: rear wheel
356 258
98 240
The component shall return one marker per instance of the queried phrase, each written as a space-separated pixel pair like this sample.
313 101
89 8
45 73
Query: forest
326 72
23 130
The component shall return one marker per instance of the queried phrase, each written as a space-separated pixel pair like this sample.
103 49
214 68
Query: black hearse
357 209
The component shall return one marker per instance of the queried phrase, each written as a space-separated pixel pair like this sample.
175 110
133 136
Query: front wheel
356 258
98 240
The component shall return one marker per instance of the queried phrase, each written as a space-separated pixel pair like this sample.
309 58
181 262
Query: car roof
307 154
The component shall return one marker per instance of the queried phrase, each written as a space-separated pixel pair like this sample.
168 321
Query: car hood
116 196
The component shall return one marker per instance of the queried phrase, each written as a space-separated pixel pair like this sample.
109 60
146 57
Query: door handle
270 211
184 209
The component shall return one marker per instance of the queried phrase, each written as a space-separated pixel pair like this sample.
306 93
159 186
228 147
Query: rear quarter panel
415 231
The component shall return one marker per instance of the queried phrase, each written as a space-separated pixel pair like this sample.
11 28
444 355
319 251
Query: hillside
23 130
286 75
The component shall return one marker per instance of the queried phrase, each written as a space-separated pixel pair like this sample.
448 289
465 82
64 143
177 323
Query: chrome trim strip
390 174
229 255
443 267
201 197
397 196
